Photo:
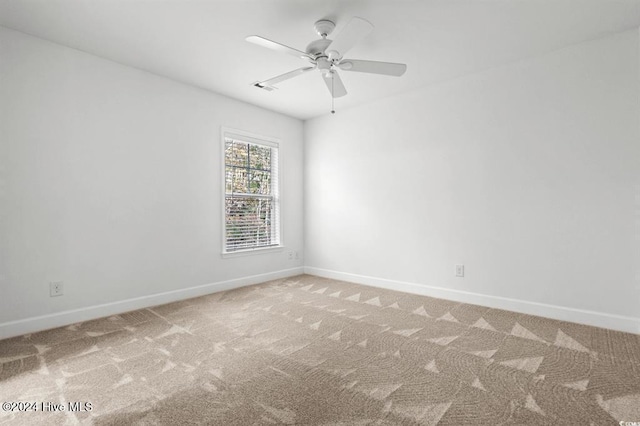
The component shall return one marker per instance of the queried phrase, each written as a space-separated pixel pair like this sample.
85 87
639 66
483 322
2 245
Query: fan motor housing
317 47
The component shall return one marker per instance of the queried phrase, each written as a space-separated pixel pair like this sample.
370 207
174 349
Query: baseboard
59 319
597 319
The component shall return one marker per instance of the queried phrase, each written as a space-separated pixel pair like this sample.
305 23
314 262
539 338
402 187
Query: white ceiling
201 42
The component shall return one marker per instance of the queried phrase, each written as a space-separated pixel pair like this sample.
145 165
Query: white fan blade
269 44
285 76
334 84
373 67
356 29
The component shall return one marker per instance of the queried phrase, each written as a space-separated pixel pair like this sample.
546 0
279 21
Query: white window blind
251 200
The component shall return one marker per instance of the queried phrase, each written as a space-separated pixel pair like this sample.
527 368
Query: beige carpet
308 350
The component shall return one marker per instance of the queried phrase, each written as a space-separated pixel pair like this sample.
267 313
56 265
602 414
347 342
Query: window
251 199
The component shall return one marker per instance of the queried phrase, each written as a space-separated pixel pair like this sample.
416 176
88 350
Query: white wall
110 180
528 174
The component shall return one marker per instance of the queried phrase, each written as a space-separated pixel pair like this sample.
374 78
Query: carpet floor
309 350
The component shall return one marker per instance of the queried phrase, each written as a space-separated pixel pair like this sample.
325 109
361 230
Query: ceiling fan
328 56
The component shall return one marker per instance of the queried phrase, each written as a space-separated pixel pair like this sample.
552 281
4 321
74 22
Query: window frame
276 188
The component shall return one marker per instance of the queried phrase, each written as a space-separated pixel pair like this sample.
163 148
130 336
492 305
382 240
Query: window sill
249 252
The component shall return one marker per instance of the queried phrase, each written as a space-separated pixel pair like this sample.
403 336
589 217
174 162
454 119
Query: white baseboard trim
581 316
59 319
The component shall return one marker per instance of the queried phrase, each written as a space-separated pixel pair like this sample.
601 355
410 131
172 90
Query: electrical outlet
290 255
56 288
459 270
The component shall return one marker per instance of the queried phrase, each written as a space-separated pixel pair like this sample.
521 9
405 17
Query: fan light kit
327 56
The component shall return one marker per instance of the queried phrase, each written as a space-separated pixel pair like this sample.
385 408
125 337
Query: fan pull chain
333 110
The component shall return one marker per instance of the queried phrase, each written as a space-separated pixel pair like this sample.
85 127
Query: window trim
228 132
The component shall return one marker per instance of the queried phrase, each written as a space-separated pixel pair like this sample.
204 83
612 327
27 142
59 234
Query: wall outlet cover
56 288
